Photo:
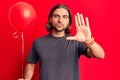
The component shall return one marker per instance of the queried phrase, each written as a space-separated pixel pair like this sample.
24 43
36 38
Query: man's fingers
78 19
71 38
87 21
82 19
76 22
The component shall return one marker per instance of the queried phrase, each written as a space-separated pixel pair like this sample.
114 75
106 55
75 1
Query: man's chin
59 30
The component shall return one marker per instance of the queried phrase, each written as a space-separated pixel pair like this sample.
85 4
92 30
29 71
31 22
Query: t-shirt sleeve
33 56
82 50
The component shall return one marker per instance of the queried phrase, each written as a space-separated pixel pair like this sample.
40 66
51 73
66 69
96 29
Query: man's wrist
90 42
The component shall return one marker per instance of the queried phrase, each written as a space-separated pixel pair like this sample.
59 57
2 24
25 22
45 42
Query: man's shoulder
42 38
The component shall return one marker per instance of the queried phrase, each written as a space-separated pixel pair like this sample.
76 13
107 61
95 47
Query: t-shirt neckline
57 37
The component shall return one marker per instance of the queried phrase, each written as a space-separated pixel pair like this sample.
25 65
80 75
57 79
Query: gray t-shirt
58 57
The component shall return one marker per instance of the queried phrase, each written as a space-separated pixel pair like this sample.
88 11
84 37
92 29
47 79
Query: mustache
60 24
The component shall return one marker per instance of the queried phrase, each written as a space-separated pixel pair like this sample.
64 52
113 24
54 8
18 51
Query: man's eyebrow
62 15
55 14
58 14
66 15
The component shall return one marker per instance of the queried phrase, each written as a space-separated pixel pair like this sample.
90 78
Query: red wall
103 16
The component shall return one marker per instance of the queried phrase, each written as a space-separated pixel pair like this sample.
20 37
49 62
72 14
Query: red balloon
22 16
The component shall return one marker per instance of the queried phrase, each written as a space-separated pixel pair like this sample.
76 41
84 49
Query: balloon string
22 36
16 35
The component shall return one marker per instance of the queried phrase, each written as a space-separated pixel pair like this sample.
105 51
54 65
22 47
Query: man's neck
58 34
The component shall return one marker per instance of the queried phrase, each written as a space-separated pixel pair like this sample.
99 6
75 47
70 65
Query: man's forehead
61 11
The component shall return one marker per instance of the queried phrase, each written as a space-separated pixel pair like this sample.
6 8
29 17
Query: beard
58 30
59 27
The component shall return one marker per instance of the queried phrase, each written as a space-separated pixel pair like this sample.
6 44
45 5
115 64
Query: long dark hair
49 25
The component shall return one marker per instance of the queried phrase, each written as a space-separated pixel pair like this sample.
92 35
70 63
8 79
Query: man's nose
60 19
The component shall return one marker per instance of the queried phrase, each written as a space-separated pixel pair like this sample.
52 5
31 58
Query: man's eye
65 17
55 16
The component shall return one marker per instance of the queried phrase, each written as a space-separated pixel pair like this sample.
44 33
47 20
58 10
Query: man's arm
29 71
95 50
83 34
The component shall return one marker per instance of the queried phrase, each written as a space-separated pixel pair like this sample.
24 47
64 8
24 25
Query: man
58 52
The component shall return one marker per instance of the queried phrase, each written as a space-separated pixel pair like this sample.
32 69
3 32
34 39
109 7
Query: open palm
83 33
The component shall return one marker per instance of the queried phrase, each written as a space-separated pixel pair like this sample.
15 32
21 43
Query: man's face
60 19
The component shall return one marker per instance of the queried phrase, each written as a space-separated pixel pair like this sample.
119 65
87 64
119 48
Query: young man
58 52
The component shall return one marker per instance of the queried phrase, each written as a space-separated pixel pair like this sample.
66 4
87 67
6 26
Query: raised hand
83 32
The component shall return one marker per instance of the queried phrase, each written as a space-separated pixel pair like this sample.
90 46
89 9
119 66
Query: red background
103 16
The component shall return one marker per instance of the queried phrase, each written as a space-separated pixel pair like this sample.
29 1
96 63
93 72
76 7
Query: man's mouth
59 24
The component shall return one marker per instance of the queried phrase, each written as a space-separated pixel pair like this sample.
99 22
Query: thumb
71 38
